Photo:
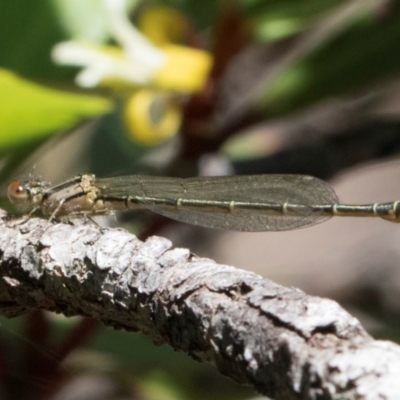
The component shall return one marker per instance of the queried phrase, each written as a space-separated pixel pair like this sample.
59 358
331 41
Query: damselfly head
26 194
17 192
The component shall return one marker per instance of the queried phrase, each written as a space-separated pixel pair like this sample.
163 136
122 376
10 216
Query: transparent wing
160 195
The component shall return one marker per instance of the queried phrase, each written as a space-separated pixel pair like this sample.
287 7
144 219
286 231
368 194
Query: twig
287 345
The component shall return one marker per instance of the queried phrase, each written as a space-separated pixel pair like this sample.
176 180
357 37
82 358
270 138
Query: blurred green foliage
30 112
357 59
361 53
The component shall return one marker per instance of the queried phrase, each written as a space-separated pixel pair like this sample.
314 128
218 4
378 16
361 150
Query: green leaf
30 112
28 31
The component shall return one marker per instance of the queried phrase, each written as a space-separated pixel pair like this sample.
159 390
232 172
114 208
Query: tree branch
287 345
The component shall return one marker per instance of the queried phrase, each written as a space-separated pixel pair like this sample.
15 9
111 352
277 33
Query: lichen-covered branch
287 345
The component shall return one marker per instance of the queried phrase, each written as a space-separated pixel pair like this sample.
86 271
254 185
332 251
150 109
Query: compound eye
17 192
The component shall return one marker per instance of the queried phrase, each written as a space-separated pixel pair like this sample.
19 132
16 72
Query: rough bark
284 343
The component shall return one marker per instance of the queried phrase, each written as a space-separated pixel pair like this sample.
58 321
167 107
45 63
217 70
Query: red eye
17 193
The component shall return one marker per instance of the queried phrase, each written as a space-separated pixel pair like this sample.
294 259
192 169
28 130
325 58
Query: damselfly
243 203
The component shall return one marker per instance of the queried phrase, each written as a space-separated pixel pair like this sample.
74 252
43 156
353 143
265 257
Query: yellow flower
152 67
